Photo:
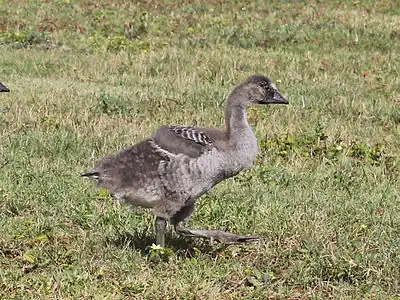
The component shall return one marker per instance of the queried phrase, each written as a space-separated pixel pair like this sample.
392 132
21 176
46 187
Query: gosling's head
260 90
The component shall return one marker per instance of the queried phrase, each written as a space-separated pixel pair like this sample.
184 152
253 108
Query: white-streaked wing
192 134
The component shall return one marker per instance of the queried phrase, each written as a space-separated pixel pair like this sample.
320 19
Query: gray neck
235 113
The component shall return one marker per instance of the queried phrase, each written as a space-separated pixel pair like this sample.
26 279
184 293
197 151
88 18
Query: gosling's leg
217 235
214 235
160 226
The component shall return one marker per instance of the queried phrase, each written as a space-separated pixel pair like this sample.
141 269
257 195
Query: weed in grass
113 105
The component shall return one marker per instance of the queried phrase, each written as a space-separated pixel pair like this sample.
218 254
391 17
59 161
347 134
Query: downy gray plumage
170 170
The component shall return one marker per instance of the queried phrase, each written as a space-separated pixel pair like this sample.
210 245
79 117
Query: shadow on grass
142 240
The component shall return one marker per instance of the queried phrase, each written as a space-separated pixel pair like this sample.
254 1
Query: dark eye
264 85
268 90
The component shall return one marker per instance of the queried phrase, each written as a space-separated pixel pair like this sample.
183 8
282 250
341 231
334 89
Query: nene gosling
169 171
3 88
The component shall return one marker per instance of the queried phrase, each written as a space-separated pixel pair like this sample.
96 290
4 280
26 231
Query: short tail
94 175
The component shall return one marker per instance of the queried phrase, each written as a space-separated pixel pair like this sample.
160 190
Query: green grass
324 193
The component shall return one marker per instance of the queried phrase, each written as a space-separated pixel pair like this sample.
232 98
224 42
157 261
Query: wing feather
175 140
192 133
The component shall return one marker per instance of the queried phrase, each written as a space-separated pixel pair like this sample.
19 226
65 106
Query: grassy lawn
324 193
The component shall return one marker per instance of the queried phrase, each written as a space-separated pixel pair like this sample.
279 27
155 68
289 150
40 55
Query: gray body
169 171
155 174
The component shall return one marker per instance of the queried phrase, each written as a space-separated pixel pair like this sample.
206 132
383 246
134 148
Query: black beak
3 88
277 99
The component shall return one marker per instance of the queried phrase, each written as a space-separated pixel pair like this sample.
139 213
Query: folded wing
174 140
